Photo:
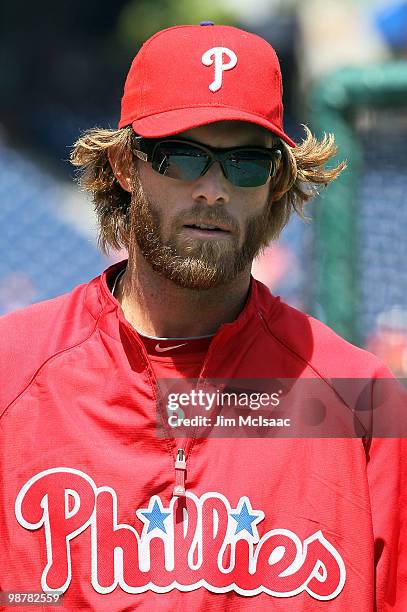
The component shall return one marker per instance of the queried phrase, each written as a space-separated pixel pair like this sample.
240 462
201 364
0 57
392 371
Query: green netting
336 103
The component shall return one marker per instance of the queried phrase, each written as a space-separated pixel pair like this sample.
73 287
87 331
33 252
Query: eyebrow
248 143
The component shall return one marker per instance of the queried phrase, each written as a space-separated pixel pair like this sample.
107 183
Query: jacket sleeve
387 479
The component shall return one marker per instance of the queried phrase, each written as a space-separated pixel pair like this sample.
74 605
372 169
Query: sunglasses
186 160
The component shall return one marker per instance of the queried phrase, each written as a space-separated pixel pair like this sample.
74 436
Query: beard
196 263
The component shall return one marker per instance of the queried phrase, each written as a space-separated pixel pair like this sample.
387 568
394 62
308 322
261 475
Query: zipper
180 474
182 454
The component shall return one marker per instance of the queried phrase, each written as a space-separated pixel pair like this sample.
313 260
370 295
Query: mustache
207 215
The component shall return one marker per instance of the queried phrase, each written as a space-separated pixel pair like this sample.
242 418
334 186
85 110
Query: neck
158 307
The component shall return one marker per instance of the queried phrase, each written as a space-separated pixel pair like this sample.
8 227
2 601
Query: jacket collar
106 309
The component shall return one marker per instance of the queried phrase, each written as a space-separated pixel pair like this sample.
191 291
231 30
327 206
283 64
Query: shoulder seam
327 381
289 348
48 360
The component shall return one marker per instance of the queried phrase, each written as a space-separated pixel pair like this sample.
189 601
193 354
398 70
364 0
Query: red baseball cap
187 76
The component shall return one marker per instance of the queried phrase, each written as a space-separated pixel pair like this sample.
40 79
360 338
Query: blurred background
344 69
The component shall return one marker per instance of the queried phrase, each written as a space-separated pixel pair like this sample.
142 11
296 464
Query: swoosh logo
164 349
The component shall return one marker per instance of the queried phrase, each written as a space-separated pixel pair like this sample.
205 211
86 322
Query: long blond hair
301 171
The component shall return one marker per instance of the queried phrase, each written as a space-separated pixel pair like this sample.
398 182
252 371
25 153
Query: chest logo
214 57
185 544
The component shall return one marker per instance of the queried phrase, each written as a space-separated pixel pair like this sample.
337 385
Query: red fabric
83 473
242 82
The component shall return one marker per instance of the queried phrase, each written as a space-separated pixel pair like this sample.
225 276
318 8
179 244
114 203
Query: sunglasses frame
148 147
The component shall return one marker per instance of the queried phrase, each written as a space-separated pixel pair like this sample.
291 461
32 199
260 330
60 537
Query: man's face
166 212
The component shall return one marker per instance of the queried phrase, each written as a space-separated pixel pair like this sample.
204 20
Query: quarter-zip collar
111 320
103 305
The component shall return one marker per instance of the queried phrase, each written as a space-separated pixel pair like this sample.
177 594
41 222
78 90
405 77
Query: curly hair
301 171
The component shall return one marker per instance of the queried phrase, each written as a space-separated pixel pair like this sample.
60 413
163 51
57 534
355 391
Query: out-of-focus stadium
344 68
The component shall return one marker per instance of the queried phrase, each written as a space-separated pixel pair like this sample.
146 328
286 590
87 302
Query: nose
212 187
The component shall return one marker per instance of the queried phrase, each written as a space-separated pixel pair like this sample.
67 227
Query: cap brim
178 120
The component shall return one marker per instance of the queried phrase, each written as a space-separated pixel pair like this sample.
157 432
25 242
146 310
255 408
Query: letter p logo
215 56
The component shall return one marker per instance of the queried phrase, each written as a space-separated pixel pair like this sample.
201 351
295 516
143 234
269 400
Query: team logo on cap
214 57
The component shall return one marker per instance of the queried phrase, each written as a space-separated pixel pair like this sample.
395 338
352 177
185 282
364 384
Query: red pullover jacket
87 505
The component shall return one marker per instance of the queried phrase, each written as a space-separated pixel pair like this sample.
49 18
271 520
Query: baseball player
112 496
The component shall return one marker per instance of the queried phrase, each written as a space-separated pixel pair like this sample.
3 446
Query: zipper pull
180 470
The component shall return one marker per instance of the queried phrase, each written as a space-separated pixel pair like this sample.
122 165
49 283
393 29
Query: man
108 496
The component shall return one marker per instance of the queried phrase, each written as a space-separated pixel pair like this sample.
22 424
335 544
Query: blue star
155 516
245 516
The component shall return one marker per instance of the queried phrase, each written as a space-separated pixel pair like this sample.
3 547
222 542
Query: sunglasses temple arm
137 152
276 162
141 155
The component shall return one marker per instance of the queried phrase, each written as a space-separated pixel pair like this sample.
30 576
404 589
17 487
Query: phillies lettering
215 56
187 544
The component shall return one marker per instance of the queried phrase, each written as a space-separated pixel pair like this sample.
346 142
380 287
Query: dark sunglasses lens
248 168
179 161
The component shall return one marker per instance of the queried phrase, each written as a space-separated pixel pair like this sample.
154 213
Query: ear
121 166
